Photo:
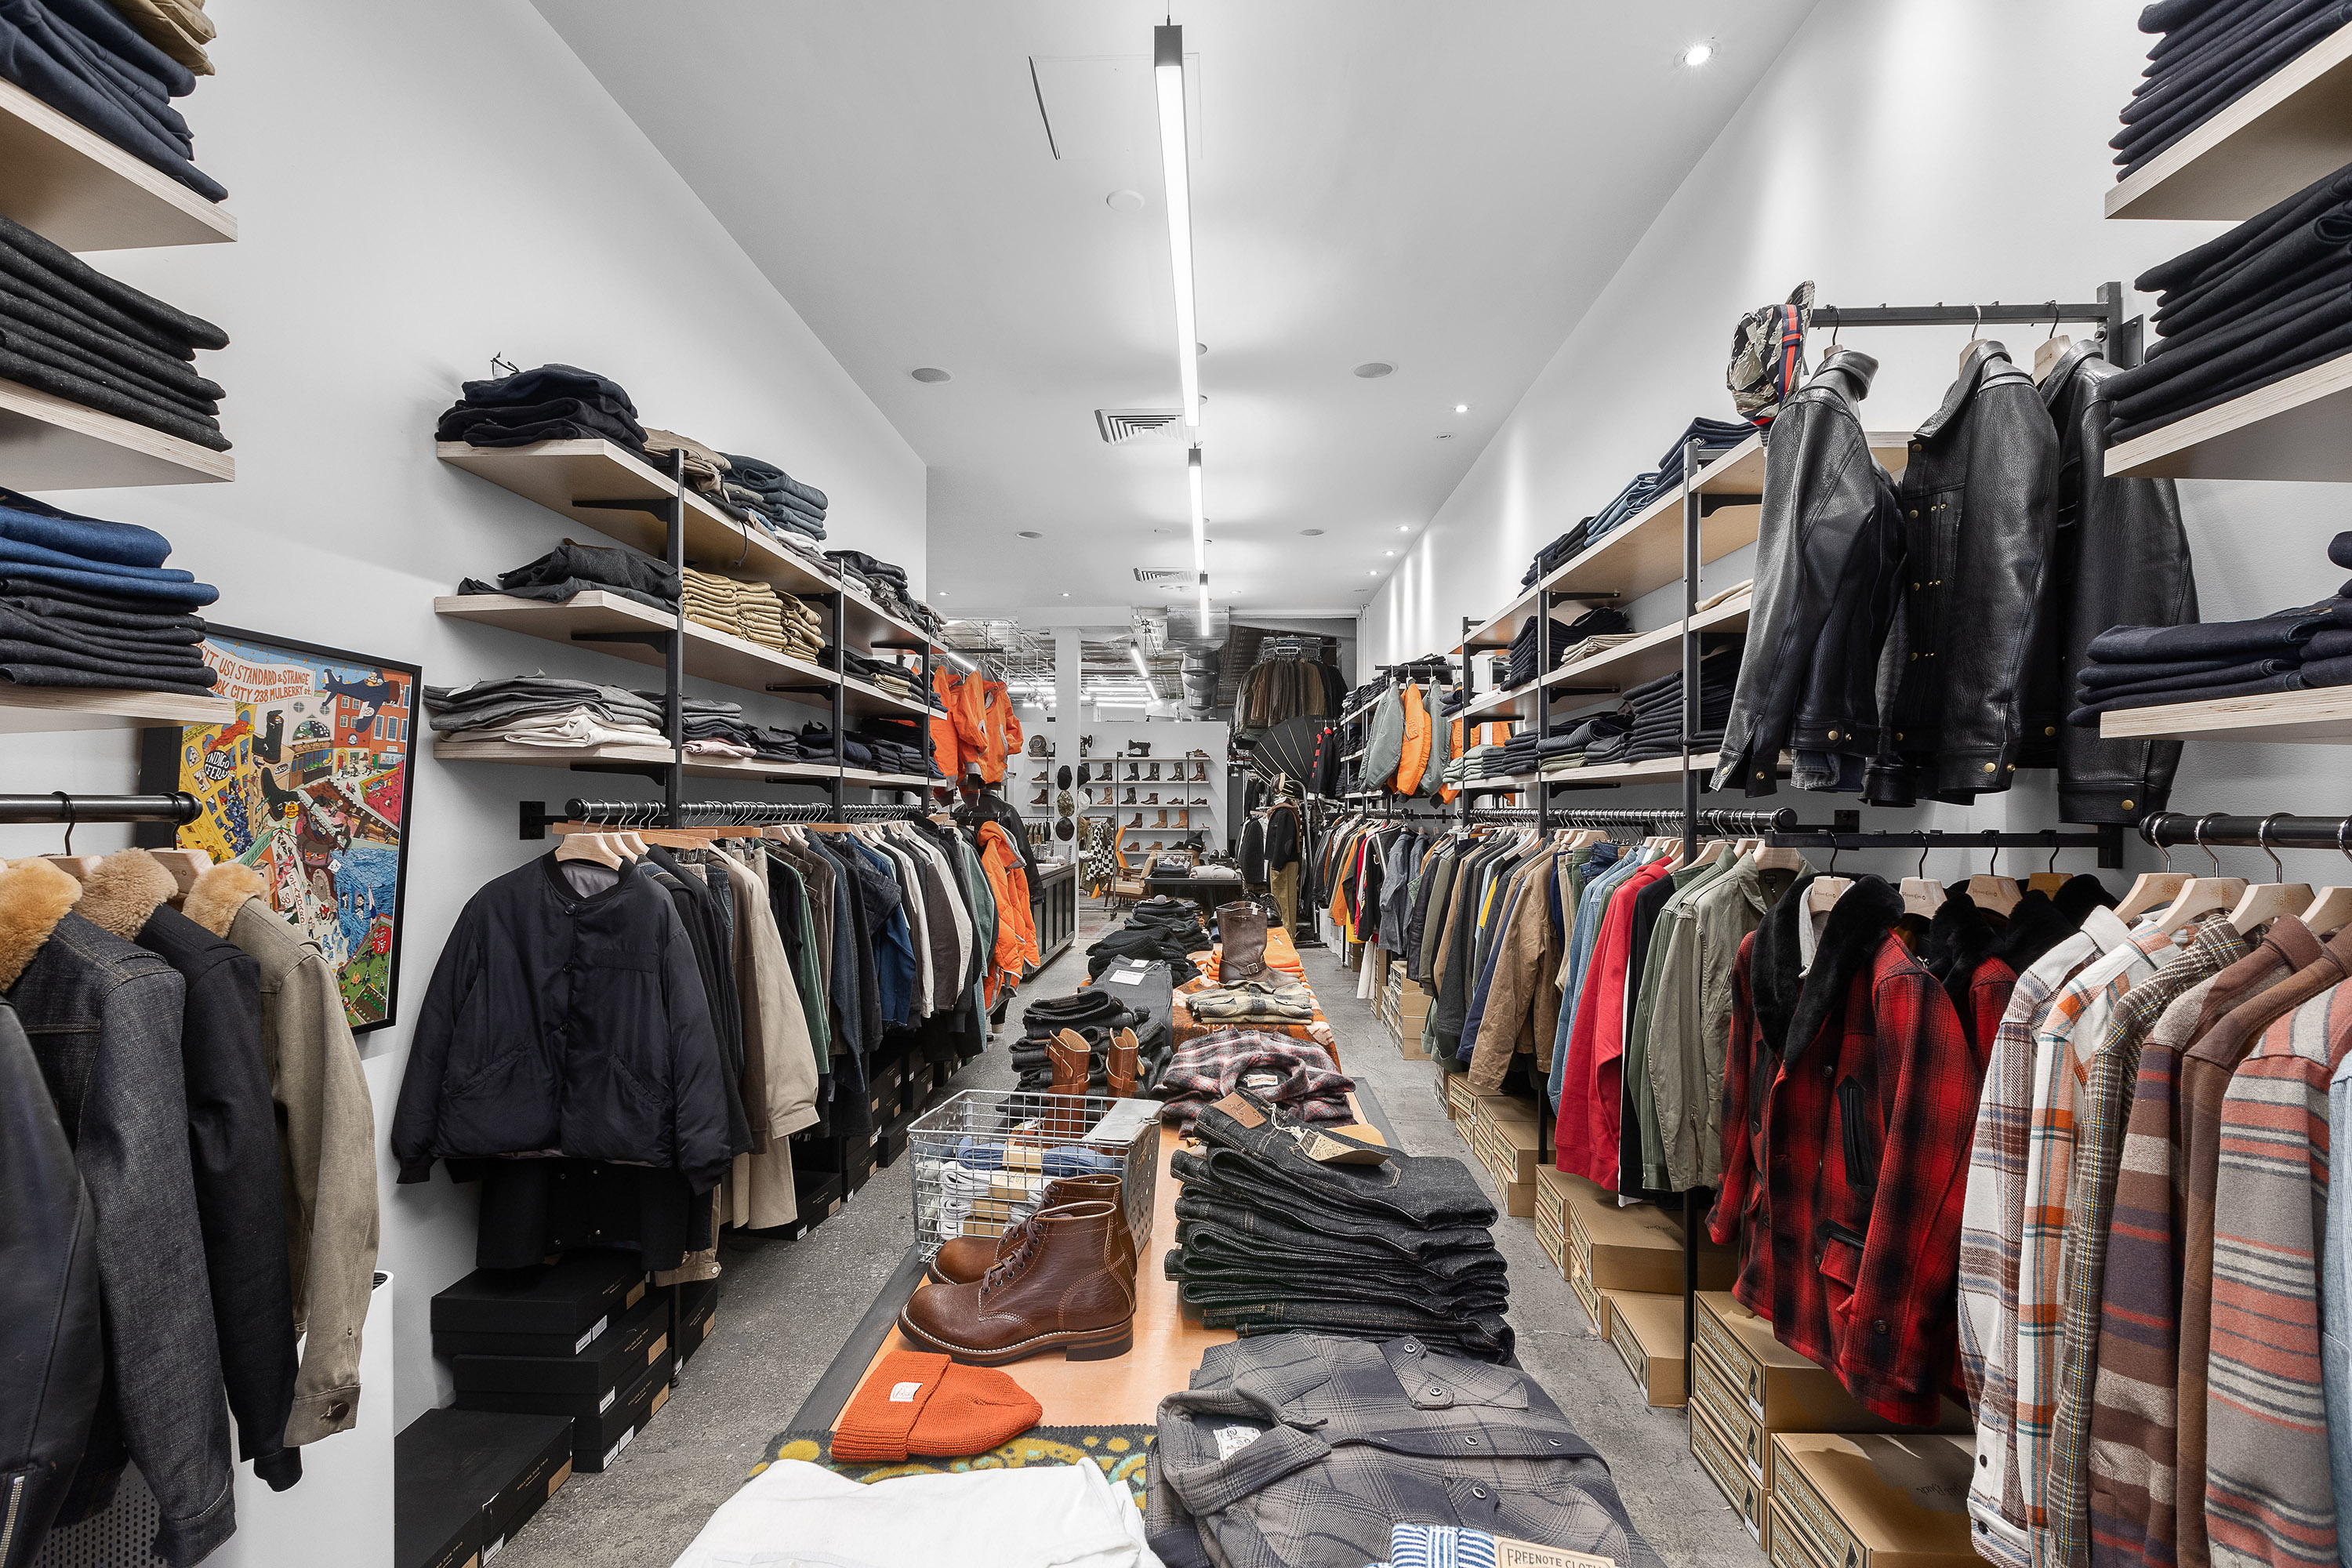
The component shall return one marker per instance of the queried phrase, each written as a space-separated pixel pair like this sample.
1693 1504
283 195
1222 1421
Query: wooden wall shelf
2292 429
564 756
29 710
2321 716
2289 130
49 443
1646 658
71 186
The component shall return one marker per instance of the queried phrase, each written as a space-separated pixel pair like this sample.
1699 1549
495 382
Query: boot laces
1013 1264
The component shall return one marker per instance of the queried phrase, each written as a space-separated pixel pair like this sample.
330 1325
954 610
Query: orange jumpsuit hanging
970 713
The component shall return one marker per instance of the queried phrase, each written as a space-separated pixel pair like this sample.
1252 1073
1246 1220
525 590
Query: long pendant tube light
1175 166
1200 534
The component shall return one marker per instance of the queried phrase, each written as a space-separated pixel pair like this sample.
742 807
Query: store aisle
1671 1499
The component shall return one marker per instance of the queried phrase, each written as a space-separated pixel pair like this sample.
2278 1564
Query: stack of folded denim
881 580
84 602
1639 492
2213 53
2272 297
1714 438
553 403
572 568
543 710
1523 650
1279 1068
1552 557
83 59
1270 1239
1603 733
1656 709
714 727
68 329
901 745
782 502
2152 666
887 674
1155 931
1516 756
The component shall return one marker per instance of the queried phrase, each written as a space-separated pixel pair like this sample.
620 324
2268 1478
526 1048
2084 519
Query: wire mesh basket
983 1159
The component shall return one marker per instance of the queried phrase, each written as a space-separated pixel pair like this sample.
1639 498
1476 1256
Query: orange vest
1414 760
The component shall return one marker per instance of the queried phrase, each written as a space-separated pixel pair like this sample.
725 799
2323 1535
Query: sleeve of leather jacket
330 1183
416 1115
133 1154
698 1098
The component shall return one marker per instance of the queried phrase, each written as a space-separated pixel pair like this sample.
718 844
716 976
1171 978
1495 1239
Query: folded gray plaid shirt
1276 996
1300 1448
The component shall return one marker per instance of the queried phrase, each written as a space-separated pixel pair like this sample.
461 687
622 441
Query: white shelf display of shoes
1174 788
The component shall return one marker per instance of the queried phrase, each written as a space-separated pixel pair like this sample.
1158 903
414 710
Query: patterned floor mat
1118 1450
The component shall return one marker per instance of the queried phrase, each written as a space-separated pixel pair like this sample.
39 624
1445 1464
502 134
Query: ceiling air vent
1165 581
1126 427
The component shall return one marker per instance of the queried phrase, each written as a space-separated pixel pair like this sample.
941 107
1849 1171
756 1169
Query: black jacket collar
1988 359
1772 974
1858 924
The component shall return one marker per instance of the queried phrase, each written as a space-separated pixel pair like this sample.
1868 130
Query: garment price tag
904 1392
594 1329
1125 979
1232 1441
1510 1553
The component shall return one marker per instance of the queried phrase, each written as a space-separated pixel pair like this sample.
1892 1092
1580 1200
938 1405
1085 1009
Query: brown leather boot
1124 1065
1155 773
1073 1060
1164 820
1065 1285
1241 933
1138 816
962 1259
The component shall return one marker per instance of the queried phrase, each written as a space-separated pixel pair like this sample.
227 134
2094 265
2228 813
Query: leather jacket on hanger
2129 531
1826 556
1979 500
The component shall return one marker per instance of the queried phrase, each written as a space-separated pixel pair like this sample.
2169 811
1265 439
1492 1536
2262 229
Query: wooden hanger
2050 349
1710 852
1778 858
1922 896
1989 892
1824 890
2047 882
586 843
2265 902
2200 895
186 865
2331 911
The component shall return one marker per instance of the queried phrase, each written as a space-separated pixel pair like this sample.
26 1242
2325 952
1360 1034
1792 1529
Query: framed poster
310 785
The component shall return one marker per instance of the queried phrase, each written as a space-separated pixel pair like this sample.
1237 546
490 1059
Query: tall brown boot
1073 1060
1125 1064
1241 933
1164 820
1065 1285
962 1259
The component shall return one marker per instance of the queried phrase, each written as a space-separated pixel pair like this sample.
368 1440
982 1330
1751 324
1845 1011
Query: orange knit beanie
917 1403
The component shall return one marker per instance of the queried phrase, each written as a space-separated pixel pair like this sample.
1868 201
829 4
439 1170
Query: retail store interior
1306 786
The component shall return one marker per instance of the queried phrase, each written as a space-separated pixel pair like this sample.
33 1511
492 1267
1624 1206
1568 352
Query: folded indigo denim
2280 633
85 641
160 592
2186 686
36 523
564 419
2247 303
104 343
2098 676
103 669
2213 85
55 63
2231 360
549 381
65 282
759 474
572 567
116 612
2279 355
2222 36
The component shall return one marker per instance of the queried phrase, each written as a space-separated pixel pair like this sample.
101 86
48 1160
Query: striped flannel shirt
2105 1100
2269 1493
1991 1218
2070 1029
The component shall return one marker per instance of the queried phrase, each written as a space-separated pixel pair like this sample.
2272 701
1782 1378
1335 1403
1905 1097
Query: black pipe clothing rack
536 819
176 807
2189 830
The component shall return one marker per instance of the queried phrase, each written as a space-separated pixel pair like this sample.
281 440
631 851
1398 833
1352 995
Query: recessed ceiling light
1065 595
929 373
1373 370
1031 534
1388 552
1404 528
1125 201
1698 54
1461 408
1371 573
1310 533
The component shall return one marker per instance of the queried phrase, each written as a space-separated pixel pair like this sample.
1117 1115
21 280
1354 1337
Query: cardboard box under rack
1638 1247
698 1315
464 1481
1647 1333
1870 1500
1551 1215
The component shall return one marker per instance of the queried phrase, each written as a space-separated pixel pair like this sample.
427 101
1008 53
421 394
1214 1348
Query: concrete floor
785 1309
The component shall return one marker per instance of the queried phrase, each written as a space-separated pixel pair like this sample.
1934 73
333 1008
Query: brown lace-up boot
1073 1061
1065 1285
1241 933
962 1259
1125 1063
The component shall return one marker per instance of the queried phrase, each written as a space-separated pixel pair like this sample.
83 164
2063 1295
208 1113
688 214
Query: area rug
1118 1450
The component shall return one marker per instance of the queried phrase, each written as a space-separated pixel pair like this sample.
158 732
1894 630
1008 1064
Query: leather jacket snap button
2128 805
1988 767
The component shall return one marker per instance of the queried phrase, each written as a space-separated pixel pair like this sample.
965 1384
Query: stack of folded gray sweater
84 602
544 710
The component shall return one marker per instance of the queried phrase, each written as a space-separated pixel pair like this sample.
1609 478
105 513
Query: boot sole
1076 1345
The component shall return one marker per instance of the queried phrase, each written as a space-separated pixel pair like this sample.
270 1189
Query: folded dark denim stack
84 60
1269 1239
1639 492
881 580
571 568
1161 941
543 710
899 745
713 726
1656 709
1602 735
1565 636
553 403
1714 438
68 329
2272 297
758 486
1559 551
1517 754
2214 52
819 744
85 602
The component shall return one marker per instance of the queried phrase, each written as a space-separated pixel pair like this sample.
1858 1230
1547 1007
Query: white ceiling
1442 186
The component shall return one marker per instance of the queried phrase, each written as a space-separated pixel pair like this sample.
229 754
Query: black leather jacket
48 1299
1825 559
2130 531
1979 500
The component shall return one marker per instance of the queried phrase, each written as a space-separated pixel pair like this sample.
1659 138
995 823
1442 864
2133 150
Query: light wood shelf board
1647 657
564 756
2292 128
29 710
50 443
2321 716
2298 429
70 186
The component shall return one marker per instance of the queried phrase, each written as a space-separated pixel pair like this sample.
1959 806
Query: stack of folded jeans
544 710
1517 755
84 602
1639 492
712 726
820 744
68 329
781 501
880 580
1656 709
2272 297
1096 1013
571 568
2211 55
1277 1068
1552 557
1602 735
1270 1239
1523 650
901 745
1714 438
553 403
83 59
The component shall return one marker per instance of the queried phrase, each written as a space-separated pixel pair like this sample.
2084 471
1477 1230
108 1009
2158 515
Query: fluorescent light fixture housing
1175 166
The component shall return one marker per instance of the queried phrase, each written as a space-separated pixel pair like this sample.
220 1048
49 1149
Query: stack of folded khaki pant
713 601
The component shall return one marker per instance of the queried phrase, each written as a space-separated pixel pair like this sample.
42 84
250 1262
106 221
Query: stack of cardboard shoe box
1625 1261
1501 1129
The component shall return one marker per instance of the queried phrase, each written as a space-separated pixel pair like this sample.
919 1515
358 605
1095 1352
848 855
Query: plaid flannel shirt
1276 1069
1276 996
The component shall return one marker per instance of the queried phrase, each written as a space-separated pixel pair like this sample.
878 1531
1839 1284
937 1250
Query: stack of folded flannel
571 568
1269 997
84 602
2288 650
68 329
1270 1239
85 59
2211 55
1277 1068
2272 297
553 403
779 501
543 710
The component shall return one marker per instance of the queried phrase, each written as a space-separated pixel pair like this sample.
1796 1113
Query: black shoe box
556 1309
465 1481
583 1385
697 1314
597 1441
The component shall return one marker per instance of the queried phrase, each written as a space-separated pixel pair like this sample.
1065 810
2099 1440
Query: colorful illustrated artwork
309 784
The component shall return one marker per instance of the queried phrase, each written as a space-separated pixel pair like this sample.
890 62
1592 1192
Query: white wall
1902 152
419 189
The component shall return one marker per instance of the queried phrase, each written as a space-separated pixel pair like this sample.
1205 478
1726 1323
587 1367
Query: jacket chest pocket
1858 1142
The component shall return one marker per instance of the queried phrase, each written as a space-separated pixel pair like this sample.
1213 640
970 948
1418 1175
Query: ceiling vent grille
1169 582
1127 426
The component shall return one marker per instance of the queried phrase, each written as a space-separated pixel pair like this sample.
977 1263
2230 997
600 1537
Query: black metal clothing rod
64 807
1943 315
2186 829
